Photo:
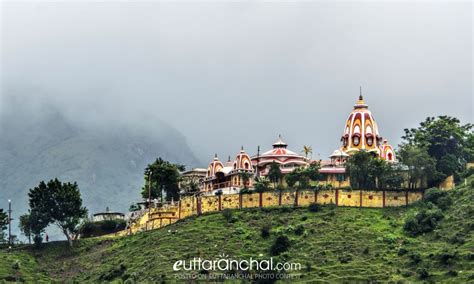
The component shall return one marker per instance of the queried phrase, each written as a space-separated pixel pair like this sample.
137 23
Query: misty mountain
106 159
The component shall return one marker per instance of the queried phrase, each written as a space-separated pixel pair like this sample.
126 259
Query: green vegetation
445 140
332 243
370 172
162 176
3 224
56 203
94 229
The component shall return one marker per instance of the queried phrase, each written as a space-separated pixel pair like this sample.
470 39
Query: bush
282 244
424 221
422 272
314 207
228 215
415 257
265 230
299 230
346 258
94 229
438 197
402 251
447 256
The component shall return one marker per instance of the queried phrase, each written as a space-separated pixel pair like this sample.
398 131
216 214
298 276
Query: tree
189 185
274 173
165 176
261 184
25 226
307 150
421 166
245 176
59 204
366 171
446 140
3 223
292 178
303 175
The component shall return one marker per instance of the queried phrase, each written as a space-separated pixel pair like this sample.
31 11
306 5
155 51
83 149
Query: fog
240 73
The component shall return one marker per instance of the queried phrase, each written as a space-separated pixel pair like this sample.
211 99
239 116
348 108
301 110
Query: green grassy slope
334 244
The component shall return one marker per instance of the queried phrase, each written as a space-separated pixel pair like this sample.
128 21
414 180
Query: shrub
346 258
281 244
402 251
423 222
415 257
265 230
422 272
91 229
314 207
228 215
438 197
447 256
304 218
299 230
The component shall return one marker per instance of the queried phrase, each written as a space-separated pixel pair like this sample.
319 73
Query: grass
333 244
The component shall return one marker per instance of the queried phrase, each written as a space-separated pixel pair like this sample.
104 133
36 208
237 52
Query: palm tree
307 150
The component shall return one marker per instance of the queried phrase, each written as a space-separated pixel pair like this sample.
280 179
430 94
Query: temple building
286 159
229 178
360 133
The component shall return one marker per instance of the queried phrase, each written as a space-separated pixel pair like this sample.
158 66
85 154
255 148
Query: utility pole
149 191
9 223
258 159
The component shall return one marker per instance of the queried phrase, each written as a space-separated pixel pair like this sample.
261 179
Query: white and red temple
360 133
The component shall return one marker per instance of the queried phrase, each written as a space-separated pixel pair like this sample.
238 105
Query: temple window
370 141
356 140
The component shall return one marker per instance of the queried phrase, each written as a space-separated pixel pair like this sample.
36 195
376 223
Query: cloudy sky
240 73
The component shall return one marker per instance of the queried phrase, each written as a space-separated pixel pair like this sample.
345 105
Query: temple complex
360 132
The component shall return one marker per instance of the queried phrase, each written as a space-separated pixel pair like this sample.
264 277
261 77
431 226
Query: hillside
106 159
333 244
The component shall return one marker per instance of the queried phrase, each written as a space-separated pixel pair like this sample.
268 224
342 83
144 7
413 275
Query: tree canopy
303 175
366 171
165 176
274 173
56 203
3 223
445 139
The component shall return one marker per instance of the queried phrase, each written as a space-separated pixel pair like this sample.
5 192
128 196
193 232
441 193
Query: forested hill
106 159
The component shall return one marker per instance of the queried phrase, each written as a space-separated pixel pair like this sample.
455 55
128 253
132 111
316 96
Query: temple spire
360 94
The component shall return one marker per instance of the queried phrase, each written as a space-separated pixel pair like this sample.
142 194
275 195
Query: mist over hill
40 141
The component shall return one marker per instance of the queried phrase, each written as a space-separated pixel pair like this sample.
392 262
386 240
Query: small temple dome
242 161
360 130
386 151
214 167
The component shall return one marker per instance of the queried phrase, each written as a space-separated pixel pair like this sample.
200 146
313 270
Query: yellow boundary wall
189 206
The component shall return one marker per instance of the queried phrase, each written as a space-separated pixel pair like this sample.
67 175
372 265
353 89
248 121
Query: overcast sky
231 74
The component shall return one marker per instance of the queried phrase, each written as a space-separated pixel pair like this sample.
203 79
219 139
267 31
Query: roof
333 170
279 151
279 143
339 153
109 213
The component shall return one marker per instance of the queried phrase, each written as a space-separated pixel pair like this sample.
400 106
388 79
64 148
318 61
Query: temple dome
242 161
214 167
360 131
